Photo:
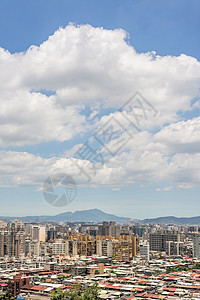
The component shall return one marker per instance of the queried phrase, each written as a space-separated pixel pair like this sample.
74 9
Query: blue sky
170 28
167 27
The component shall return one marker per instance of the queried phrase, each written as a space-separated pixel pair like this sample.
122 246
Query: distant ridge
96 215
91 215
174 220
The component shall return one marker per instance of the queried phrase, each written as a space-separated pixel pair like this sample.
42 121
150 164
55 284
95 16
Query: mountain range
96 215
174 220
91 215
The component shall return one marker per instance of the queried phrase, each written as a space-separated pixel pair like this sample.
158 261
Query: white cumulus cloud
44 91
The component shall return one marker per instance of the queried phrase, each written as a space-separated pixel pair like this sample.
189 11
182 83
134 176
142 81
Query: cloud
147 167
91 67
84 65
165 189
31 118
182 136
116 189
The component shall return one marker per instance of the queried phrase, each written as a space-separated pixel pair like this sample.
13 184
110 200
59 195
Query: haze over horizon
94 208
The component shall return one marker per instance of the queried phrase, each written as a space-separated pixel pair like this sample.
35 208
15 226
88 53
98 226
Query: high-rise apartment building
104 247
144 251
125 247
37 248
42 234
59 247
196 246
12 240
35 233
109 229
38 233
81 245
158 240
51 234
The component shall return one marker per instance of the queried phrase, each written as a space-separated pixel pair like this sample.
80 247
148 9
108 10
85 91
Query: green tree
58 294
77 293
92 292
